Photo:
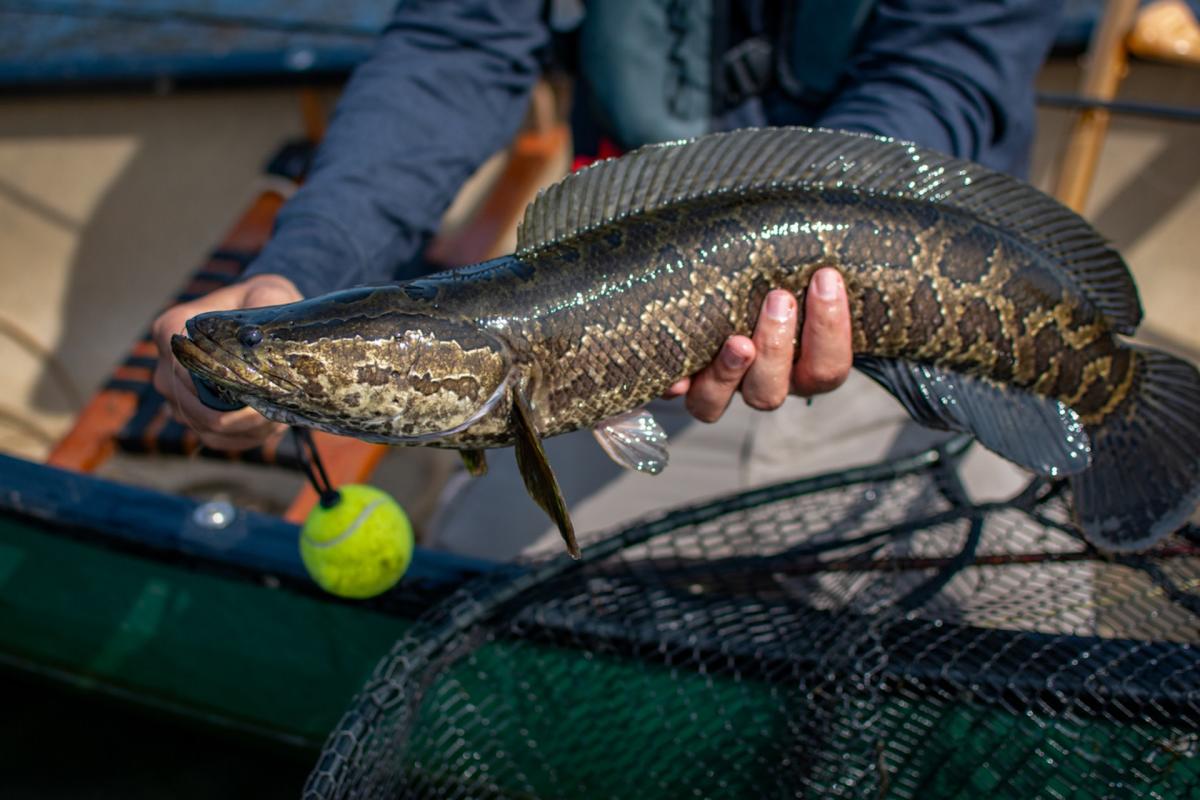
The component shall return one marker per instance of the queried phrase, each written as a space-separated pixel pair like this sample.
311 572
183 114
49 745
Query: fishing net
866 634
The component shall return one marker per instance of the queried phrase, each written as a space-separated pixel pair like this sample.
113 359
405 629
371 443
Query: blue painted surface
103 510
67 41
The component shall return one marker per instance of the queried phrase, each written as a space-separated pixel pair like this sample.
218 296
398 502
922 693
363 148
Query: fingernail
828 283
733 359
779 306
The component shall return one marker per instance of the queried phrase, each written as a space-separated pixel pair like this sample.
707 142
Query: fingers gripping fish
982 304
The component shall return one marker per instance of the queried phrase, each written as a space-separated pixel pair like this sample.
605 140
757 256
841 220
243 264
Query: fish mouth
205 358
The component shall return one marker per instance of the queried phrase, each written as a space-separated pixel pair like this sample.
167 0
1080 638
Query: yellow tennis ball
359 547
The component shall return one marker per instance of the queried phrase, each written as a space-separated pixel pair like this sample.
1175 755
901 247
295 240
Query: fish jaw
268 395
205 358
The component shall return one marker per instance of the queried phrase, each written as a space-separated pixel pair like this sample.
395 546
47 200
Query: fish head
360 362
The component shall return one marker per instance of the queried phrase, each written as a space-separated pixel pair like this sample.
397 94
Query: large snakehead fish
982 304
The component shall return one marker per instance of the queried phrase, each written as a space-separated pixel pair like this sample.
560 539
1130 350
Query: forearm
446 89
957 77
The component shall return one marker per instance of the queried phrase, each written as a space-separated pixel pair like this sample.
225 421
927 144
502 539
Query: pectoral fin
634 440
535 471
475 461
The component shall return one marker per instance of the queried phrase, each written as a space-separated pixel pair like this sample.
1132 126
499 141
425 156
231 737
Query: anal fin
536 472
1039 433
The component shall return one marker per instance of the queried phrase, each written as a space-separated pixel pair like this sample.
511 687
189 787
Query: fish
982 304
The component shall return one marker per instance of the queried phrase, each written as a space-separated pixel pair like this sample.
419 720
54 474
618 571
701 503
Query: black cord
314 468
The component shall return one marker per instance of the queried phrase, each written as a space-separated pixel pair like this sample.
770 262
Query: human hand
231 430
762 366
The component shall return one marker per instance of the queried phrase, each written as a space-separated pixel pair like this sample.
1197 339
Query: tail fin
1144 481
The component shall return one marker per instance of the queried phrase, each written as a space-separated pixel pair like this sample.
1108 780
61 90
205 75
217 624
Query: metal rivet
214 515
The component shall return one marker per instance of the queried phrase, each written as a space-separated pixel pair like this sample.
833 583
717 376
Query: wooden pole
1105 68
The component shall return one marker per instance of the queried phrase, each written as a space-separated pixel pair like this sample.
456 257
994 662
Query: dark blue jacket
448 83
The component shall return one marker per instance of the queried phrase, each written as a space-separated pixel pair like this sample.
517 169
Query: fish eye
250 335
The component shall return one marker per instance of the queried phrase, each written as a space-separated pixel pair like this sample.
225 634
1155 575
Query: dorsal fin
761 158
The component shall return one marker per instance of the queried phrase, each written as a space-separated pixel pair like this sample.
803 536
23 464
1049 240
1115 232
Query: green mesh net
868 634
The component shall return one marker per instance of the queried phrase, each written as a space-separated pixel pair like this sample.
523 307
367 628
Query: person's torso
674 69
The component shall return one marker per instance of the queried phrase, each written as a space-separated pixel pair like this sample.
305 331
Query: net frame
835 636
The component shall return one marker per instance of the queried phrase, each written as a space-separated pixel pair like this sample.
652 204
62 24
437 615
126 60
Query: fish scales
618 314
982 304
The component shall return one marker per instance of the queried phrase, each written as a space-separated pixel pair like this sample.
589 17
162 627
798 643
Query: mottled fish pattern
982 304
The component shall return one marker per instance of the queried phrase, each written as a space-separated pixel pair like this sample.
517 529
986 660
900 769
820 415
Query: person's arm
954 75
446 88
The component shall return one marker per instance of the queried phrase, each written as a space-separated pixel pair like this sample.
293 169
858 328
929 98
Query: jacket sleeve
954 75
446 88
